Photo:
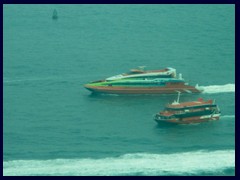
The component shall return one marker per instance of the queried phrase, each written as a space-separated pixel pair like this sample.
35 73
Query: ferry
189 112
143 82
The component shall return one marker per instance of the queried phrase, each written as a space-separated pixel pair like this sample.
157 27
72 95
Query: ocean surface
53 126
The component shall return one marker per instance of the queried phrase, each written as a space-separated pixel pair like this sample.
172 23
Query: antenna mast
178 96
177 102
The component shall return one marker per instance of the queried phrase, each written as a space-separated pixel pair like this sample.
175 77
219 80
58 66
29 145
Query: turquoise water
53 126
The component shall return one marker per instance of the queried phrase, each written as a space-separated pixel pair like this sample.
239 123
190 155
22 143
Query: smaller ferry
189 112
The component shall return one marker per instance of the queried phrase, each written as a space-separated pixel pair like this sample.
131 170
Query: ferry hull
189 120
141 90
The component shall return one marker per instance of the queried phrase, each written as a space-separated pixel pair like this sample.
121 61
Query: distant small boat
55 14
188 112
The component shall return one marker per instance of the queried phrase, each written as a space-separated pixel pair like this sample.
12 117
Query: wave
47 78
228 116
24 80
40 81
187 163
218 88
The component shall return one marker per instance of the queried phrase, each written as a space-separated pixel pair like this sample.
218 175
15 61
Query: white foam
228 116
128 164
218 88
37 79
27 79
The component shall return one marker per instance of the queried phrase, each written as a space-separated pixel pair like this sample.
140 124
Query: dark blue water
53 126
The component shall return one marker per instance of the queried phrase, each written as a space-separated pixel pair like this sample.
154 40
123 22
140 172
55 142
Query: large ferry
189 112
143 82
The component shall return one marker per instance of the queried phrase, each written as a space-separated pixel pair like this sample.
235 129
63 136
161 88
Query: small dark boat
55 14
189 112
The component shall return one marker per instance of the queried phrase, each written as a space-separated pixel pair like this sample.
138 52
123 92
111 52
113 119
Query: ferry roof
141 72
190 104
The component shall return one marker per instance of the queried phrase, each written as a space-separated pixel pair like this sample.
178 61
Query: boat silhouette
55 15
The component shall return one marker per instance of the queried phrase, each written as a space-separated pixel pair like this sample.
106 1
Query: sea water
53 126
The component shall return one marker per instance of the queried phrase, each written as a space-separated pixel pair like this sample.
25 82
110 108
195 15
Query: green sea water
53 126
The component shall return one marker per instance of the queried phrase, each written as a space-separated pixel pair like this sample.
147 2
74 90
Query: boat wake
187 163
218 88
37 79
29 80
42 81
228 116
